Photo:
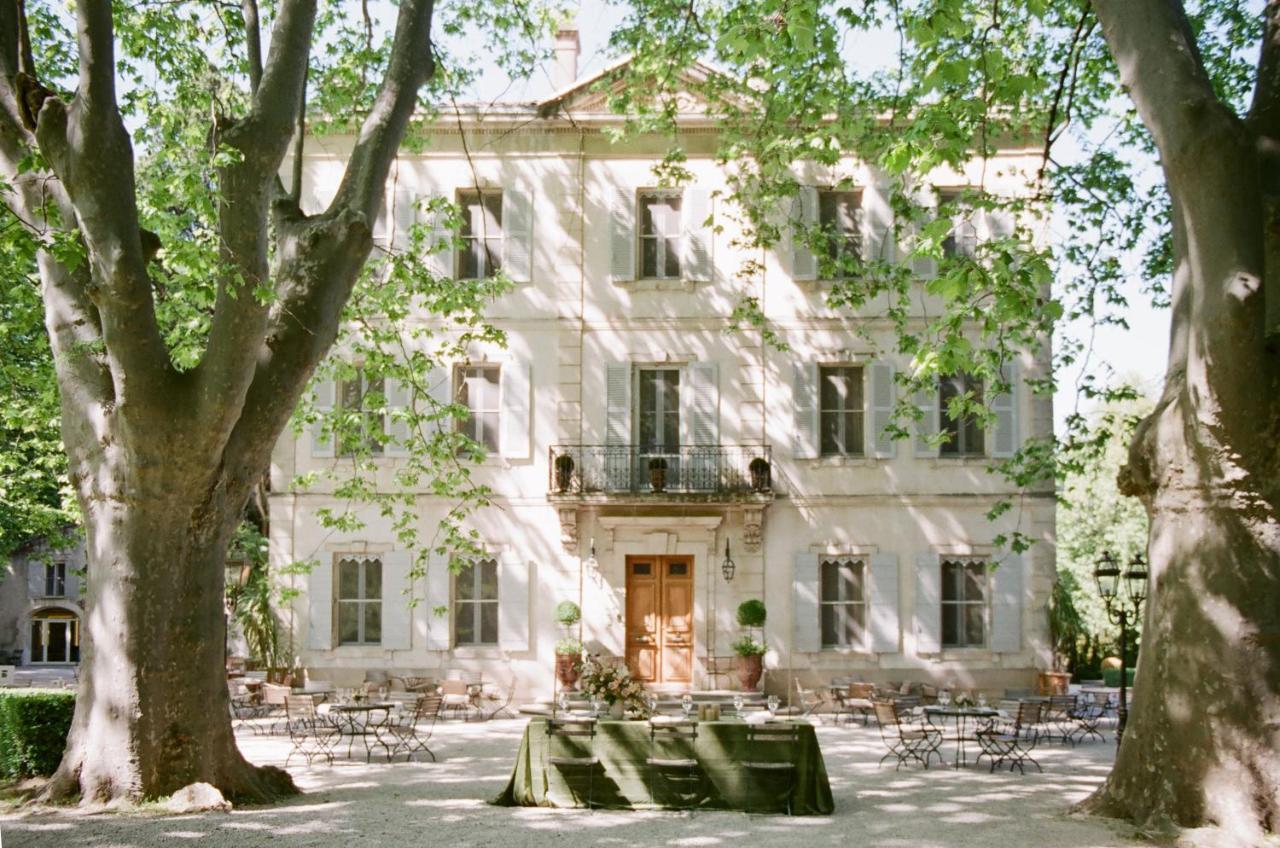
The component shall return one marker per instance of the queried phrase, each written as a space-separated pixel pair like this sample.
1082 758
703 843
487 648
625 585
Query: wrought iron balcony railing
687 469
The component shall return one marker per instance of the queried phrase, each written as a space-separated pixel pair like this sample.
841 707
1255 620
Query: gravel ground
444 803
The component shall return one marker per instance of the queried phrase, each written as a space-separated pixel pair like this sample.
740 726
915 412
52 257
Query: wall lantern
727 567
592 562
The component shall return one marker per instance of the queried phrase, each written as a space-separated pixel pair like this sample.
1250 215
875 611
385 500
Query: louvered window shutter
883 445
699 413
618 403
514 377
395 600
696 264
805 401
804 214
1004 406
513 602
399 409
1007 582
405 210
320 607
438 583
883 607
622 236
517 235
442 252
928 604
804 603
877 224
926 400
322 442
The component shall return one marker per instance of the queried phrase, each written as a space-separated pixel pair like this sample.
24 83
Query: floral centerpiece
964 699
611 684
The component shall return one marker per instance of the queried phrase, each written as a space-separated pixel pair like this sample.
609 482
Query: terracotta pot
568 669
1053 682
750 670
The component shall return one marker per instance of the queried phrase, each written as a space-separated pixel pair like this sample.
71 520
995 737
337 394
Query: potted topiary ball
751 613
759 469
750 662
564 472
567 613
657 474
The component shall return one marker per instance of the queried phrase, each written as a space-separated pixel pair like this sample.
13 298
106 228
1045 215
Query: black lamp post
728 566
1123 595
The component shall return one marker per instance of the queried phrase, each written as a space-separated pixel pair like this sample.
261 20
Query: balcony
698 473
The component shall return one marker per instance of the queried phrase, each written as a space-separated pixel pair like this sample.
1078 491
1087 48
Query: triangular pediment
592 94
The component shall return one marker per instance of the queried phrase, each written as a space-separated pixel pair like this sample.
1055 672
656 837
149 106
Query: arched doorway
55 636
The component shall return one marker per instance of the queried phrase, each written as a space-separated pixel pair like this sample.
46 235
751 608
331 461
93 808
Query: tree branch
252 42
1161 69
409 68
264 134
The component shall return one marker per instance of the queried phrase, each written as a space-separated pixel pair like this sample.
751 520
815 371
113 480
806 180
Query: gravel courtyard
444 803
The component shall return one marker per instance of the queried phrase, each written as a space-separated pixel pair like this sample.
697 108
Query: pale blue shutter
622 236
1007 581
440 259
321 442
515 389
927 425
699 413
399 408
883 445
804 399
928 604
438 583
395 600
517 235
404 209
696 263
617 463
804 214
877 224
883 605
804 604
1004 406
320 606
513 602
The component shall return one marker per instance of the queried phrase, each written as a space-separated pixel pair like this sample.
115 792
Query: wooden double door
660 618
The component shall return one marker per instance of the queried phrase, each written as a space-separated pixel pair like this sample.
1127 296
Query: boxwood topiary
33 731
751 613
567 613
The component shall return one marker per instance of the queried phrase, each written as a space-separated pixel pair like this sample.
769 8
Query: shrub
751 613
567 613
33 731
568 647
1111 676
748 647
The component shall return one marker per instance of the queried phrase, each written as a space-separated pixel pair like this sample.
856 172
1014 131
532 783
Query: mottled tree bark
1202 744
163 462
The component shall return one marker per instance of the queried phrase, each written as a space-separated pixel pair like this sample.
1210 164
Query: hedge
1111 676
33 730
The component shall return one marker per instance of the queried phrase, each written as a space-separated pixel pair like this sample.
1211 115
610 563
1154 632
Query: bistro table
362 721
959 717
622 781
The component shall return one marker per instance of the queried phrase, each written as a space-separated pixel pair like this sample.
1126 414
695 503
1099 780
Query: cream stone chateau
634 441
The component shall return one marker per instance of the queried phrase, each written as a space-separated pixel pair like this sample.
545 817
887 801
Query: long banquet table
622 780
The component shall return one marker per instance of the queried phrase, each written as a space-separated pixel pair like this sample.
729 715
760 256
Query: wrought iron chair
311 735
456 695
672 760
808 701
1004 740
1058 719
856 697
408 732
499 704
566 739
906 741
1088 716
770 756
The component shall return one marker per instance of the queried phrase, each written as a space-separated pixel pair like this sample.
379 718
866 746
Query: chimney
564 72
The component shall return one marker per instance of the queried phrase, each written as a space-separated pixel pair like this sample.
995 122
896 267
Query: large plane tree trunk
1202 745
163 461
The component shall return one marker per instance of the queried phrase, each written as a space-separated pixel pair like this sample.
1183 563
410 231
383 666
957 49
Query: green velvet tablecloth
624 781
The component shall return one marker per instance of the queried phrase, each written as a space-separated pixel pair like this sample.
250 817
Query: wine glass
686 704
651 703
773 703
563 701
982 700
738 701
944 697
597 706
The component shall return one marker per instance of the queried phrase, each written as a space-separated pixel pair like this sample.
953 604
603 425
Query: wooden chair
769 755
309 733
857 697
807 700
565 740
672 759
456 696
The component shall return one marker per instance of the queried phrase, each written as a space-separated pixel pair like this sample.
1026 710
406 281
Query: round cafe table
965 721
363 721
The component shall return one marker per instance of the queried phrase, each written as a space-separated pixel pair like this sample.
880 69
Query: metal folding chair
770 756
566 739
673 761
408 731
310 734
906 742
1008 741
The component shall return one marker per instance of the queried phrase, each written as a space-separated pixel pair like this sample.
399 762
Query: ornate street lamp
727 567
1123 596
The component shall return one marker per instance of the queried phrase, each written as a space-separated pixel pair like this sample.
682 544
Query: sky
1136 354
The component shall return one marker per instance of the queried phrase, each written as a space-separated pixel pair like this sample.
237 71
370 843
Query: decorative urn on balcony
759 469
657 474
564 472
